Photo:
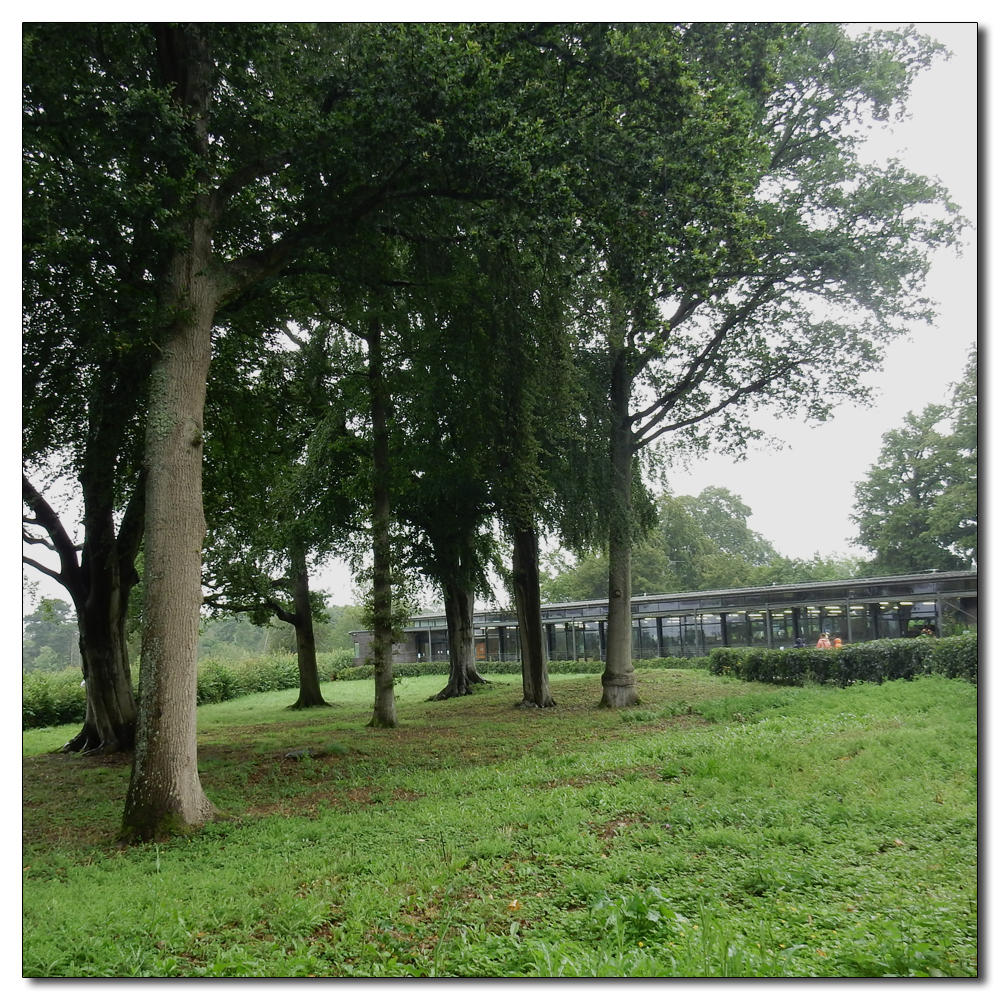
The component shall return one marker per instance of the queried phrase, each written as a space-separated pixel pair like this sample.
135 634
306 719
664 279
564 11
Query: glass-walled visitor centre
696 623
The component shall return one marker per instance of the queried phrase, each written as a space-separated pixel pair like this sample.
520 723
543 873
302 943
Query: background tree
698 543
954 518
917 509
49 636
276 459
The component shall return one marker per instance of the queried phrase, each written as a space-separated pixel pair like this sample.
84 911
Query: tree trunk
618 679
165 794
310 695
384 715
99 585
109 725
458 607
528 602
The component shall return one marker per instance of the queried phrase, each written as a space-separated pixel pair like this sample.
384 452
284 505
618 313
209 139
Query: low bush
874 662
52 699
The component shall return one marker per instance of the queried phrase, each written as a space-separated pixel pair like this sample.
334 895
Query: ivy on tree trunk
384 715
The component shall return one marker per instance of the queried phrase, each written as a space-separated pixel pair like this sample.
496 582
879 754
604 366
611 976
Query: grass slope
720 829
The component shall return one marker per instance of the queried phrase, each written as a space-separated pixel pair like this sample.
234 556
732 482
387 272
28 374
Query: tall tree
281 138
90 240
917 509
749 259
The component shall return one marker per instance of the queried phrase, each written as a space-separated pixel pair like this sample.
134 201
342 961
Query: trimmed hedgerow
874 662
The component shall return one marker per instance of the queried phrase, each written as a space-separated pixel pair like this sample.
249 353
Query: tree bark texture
528 602
618 679
110 723
310 695
165 794
384 715
462 672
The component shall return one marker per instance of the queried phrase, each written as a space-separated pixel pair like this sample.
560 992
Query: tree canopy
918 509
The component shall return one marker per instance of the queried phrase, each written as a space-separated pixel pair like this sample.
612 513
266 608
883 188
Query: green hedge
56 699
874 662
52 699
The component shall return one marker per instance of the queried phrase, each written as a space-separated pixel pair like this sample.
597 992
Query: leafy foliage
52 698
917 508
699 543
51 626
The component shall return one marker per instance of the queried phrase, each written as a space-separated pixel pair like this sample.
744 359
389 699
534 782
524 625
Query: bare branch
748 390
32 540
69 574
55 574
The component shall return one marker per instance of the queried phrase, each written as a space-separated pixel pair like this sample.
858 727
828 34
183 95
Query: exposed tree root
89 744
309 703
458 687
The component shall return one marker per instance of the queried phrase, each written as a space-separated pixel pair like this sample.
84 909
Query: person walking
823 642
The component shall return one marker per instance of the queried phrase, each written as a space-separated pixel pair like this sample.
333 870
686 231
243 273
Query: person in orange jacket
837 644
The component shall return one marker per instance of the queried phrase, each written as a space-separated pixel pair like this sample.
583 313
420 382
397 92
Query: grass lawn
719 829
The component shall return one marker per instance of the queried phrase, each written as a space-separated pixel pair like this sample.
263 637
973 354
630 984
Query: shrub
332 664
874 662
52 699
956 656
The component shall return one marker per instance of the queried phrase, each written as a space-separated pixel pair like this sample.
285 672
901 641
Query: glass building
694 624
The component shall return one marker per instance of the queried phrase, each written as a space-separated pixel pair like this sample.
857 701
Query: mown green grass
718 829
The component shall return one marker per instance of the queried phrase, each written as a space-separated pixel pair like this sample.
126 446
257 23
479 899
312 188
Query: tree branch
44 569
748 390
700 365
69 574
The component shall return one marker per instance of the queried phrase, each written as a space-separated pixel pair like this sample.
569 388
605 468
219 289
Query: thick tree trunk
618 679
165 794
109 725
528 602
384 715
99 586
310 695
458 607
